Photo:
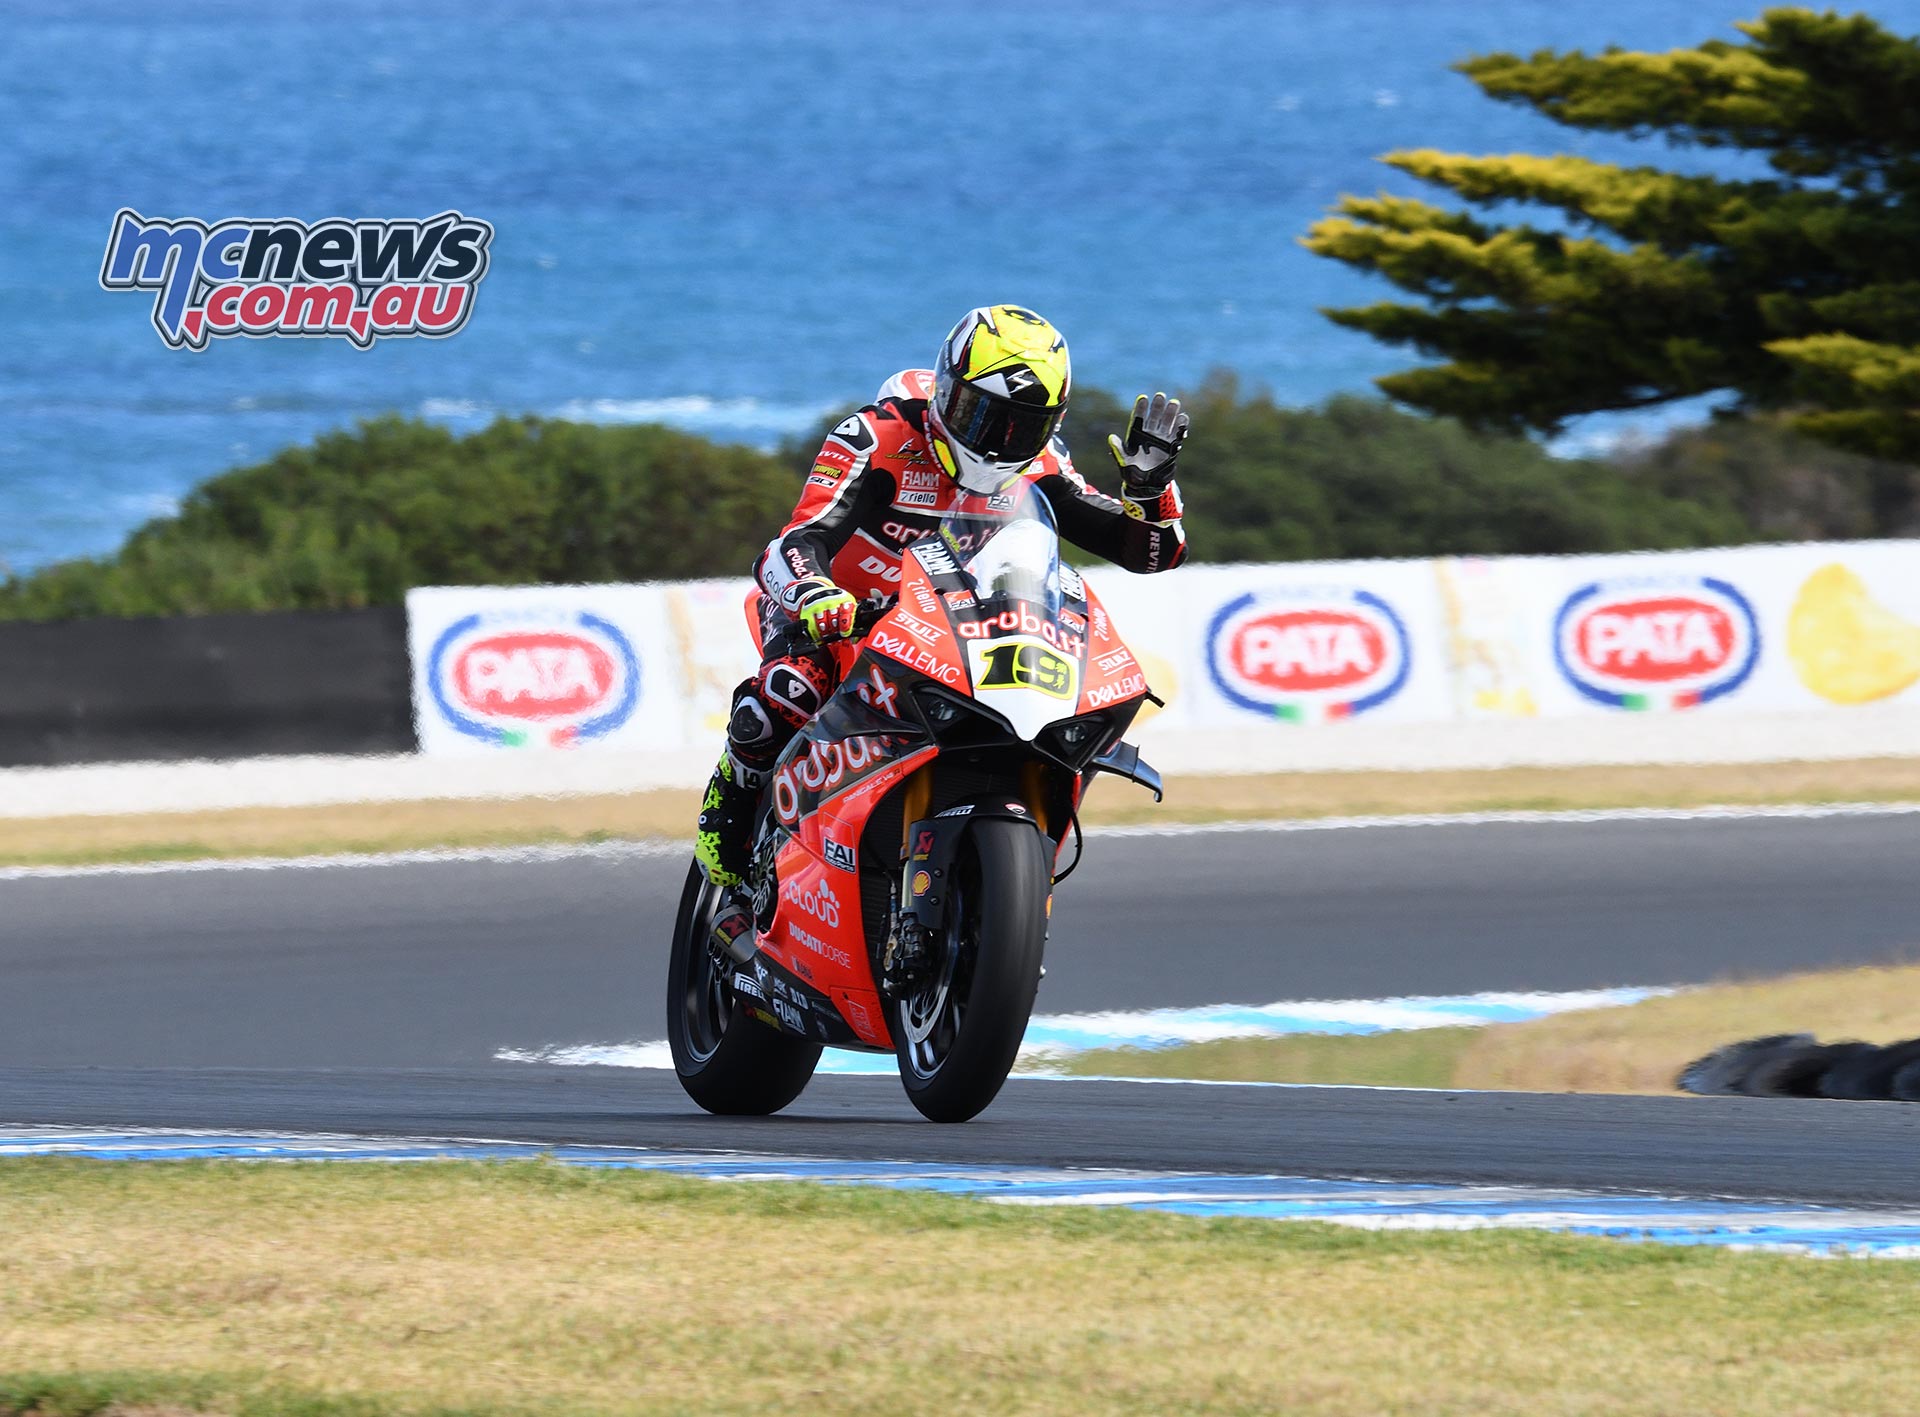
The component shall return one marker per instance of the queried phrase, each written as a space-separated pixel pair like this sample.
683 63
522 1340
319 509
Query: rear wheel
957 1037
727 1060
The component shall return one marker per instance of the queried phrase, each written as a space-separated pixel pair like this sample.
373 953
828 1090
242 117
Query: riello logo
1656 643
265 276
518 682
1307 654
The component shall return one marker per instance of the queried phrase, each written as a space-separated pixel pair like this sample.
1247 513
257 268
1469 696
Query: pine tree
1798 291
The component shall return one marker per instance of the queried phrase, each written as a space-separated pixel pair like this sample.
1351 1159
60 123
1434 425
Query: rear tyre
957 1038
727 1060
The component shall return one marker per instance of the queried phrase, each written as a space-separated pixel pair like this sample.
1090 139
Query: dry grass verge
1641 1048
381 826
1637 1048
1417 1057
313 1289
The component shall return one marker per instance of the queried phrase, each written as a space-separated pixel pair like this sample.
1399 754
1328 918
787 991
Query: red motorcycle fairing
818 933
1113 676
815 974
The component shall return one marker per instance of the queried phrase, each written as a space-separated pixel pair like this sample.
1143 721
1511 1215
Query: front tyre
957 1037
727 1060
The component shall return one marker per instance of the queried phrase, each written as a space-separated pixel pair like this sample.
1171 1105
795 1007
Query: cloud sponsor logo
1308 653
820 902
1669 642
519 680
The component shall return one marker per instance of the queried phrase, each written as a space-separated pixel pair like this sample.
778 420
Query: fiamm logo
1308 653
1652 643
515 680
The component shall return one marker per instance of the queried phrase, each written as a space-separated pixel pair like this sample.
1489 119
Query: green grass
313 1290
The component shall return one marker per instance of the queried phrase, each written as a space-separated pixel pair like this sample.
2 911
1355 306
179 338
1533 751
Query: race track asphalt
370 998
443 963
1859 1153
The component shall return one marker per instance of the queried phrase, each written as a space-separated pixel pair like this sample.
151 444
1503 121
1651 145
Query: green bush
360 516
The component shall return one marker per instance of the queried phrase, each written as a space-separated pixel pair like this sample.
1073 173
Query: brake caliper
908 964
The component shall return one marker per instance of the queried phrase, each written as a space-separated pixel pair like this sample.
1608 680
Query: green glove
826 610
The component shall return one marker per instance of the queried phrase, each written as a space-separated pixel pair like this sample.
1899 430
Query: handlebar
870 612
793 638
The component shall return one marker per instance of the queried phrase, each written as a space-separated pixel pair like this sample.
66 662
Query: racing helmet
999 391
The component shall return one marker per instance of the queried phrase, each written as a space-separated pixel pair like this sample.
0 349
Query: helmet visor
990 426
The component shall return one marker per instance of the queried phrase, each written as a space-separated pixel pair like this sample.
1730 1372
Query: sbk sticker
1656 642
1308 653
513 679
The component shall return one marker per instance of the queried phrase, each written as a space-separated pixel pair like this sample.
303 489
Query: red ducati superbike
909 839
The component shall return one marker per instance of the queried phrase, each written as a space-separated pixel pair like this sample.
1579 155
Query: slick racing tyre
957 1037
727 1060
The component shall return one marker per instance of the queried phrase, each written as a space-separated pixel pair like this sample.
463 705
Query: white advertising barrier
1814 626
1282 646
1260 663
545 667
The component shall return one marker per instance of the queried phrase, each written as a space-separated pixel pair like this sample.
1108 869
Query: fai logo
360 280
1656 643
514 682
1307 654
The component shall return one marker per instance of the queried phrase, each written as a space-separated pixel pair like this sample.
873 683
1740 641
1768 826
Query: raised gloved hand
1152 445
826 610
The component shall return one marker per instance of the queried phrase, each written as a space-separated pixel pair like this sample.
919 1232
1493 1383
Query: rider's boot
723 846
724 842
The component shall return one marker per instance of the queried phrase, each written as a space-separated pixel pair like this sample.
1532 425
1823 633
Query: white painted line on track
633 850
1779 1227
1052 1038
485 855
1580 817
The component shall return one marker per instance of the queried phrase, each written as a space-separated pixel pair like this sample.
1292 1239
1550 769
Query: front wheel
728 1061
957 1037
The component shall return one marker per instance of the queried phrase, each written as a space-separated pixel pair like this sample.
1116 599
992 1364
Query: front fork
929 850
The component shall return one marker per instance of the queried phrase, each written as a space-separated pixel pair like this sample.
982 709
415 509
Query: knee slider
749 730
794 689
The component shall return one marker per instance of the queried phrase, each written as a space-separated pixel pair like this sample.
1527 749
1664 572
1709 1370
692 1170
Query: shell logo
1308 654
556 680
1641 644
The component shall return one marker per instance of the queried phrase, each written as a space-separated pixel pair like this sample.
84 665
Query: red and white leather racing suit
874 490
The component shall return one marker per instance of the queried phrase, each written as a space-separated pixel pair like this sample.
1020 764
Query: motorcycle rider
985 416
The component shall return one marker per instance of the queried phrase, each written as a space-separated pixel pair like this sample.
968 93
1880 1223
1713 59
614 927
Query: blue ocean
729 217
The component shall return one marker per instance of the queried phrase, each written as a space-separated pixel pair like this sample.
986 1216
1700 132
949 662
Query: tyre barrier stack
1796 1065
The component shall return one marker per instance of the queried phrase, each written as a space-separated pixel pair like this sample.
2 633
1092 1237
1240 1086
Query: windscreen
1009 547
